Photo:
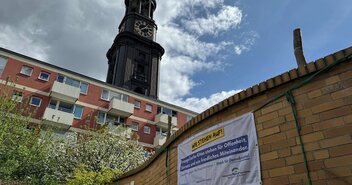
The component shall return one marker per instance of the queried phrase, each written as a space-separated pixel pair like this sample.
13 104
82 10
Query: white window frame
111 93
134 129
3 61
17 96
74 109
43 72
23 70
40 101
85 93
101 95
146 107
104 119
149 129
57 105
80 83
139 102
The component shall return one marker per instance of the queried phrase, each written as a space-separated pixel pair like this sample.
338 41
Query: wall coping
262 87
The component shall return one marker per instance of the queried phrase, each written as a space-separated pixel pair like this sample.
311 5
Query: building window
104 118
105 94
84 88
44 76
26 70
148 108
137 104
3 62
17 96
35 101
167 111
73 82
189 117
108 95
134 126
146 130
76 110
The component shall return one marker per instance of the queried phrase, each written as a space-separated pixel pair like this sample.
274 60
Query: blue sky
214 48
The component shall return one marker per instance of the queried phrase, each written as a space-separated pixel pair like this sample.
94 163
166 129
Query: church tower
134 56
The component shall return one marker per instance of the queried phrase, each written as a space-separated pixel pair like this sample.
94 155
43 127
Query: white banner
224 154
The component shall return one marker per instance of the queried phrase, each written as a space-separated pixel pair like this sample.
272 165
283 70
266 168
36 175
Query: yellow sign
207 138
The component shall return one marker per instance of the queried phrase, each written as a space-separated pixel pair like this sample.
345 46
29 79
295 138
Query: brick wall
324 108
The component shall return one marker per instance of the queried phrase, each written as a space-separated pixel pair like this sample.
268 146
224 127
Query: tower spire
134 56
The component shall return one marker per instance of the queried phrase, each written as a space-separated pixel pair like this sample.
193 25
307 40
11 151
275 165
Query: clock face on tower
143 28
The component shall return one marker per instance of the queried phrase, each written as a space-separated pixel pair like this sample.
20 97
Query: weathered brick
312 166
285 111
327 106
269 156
294 159
274 122
298 178
321 154
314 94
274 138
267 117
284 152
281 171
338 161
312 119
276 181
332 80
340 150
269 131
342 93
328 124
270 164
272 108
334 113
334 172
264 149
346 75
339 131
346 139
316 136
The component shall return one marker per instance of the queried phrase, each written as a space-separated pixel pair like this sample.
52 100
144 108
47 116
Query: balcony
120 108
65 92
58 118
121 131
161 120
159 139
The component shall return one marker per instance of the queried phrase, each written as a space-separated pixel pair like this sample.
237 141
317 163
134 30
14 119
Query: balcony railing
161 120
121 131
159 139
120 108
58 118
65 92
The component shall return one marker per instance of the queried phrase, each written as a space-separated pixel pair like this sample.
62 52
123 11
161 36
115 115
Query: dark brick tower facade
134 56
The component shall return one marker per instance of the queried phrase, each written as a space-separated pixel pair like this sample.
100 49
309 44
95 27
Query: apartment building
69 101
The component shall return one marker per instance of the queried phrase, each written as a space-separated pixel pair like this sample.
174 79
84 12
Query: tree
23 155
97 158
31 155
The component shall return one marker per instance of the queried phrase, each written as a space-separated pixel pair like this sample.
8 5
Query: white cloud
201 104
179 31
228 17
77 34
11 38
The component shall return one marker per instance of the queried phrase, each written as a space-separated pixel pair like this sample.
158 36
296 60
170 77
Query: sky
214 48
